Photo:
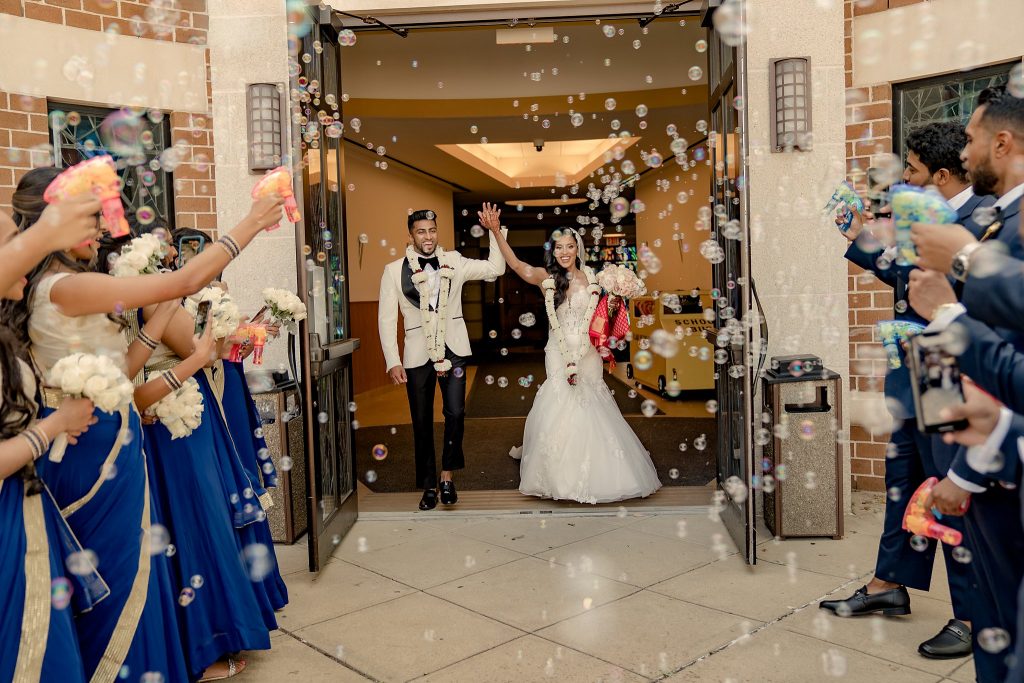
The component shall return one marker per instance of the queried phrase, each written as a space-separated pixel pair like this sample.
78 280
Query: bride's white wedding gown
577 446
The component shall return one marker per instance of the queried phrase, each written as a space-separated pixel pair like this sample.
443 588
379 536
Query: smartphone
935 382
189 247
202 317
258 314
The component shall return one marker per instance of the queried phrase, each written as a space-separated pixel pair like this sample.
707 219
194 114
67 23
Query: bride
576 446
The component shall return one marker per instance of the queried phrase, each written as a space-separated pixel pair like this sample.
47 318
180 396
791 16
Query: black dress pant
420 387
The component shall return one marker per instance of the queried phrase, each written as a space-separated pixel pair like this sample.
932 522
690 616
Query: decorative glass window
134 138
943 98
263 106
791 104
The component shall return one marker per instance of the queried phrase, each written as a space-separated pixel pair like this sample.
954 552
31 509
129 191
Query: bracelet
147 341
228 243
37 441
171 380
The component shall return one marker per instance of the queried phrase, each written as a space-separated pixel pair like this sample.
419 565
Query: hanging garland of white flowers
571 357
435 323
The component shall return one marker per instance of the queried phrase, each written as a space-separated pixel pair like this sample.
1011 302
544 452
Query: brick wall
24 134
868 133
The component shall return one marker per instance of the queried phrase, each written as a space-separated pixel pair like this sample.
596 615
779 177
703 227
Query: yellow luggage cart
692 368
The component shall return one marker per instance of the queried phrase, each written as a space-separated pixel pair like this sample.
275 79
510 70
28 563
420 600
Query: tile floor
636 597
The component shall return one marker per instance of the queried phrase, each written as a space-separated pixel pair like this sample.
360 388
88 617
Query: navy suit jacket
994 357
897 381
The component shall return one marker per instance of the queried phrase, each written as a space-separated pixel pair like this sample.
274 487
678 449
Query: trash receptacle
803 461
280 410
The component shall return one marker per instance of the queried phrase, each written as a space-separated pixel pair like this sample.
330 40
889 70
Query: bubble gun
279 182
894 333
920 521
99 176
259 340
236 348
911 205
845 194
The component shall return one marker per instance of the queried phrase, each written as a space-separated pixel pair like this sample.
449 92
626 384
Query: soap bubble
993 640
196 581
610 103
695 73
642 360
60 593
961 554
258 560
919 543
649 408
380 452
477 231
186 596
82 562
701 45
121 132
576 119
664 343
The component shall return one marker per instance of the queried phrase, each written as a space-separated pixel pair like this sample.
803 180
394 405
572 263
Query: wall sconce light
265 136
791 104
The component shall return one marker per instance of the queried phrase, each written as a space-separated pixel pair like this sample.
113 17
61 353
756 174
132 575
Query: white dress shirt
961 198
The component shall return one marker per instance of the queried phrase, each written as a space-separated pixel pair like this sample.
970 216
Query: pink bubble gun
279 182
259 340
99 176
921 521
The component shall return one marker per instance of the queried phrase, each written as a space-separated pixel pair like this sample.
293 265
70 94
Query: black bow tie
432 261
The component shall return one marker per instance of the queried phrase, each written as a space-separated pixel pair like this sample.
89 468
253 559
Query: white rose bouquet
97 378
224 314
285 308
621 281
141 256
181 411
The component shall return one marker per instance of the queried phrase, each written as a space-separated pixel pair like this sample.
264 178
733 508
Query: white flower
285 307
224 314
140 256
180 411
94 377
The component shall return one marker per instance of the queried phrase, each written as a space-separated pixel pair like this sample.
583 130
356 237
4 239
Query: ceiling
391 85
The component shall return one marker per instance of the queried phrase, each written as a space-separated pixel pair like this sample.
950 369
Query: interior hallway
626 596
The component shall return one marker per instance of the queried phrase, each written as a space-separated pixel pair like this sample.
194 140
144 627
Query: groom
426 285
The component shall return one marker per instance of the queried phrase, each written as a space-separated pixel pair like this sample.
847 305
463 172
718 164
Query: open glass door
321 254
731 282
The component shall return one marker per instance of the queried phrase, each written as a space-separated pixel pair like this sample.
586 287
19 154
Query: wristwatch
962 261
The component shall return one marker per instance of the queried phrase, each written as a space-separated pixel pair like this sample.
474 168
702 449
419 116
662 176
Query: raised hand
490 217
70 222
266 211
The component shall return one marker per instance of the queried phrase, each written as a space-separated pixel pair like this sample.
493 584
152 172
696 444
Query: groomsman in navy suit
994 360
933 159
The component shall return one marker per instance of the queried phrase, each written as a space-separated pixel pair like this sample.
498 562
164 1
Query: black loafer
429 499
890 603
952 642
448 494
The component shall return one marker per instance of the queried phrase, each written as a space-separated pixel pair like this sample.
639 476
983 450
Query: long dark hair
554 268
19 408
28 205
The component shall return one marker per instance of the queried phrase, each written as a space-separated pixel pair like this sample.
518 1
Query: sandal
234 668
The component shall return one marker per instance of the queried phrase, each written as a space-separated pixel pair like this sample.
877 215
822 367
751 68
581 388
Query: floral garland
571 359
435 323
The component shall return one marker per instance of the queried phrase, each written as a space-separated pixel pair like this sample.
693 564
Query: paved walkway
592 598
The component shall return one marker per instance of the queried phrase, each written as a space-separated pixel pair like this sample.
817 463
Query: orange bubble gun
259 340
279 182
99 176
921 521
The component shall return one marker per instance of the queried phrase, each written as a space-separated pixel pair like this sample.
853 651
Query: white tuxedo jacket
393 299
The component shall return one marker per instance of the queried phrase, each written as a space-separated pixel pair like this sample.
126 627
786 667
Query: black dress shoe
448 494
890 603
429 499
952 642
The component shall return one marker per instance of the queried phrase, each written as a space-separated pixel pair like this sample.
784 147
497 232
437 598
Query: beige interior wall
664 217
100 68
891 46
796 255
377 205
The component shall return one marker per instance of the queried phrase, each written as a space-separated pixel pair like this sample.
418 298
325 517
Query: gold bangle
147 341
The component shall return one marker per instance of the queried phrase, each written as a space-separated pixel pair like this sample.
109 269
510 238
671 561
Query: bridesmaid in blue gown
102 483
37 633
243 422
218 611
